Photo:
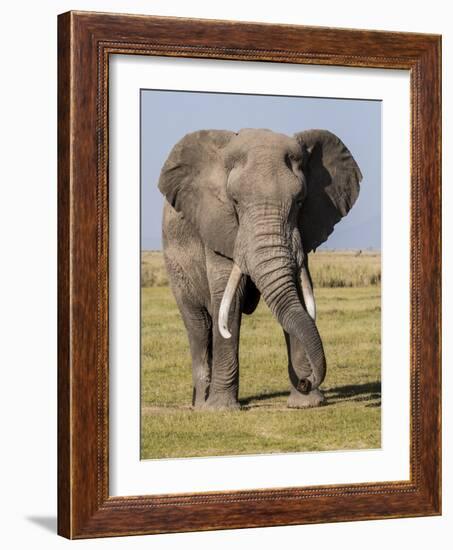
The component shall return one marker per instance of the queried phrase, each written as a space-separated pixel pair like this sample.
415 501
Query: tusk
228 295
307 292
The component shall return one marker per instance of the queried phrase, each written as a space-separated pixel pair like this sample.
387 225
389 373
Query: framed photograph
249 275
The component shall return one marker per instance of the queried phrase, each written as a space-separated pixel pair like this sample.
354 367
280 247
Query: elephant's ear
333 179
193 179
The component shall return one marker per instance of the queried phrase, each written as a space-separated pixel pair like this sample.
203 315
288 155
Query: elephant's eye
289 161
299 201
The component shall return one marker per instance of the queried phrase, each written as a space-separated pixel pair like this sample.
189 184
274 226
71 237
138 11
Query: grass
349 324
345 269
152 272
328 269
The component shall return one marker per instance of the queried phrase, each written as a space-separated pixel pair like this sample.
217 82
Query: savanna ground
348 299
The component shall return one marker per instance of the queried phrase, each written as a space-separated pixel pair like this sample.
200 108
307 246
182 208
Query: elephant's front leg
199 330
301 395
224 386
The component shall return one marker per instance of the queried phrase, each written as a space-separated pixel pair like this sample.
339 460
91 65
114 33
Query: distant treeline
328 269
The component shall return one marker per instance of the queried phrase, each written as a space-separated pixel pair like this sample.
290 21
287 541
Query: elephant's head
266 200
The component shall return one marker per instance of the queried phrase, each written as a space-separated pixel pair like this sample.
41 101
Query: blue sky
166 116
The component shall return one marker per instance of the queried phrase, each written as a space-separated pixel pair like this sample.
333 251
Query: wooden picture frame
85 42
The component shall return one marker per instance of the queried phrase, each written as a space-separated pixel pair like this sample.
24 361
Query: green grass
349 324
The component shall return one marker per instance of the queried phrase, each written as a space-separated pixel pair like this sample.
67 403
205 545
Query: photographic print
225 192
260 274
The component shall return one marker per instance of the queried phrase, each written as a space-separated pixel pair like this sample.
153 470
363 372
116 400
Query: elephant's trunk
275 276
272 267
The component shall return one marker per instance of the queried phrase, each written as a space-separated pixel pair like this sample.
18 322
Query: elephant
242 212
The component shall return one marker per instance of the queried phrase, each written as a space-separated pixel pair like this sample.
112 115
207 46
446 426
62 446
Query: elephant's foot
297 400
199 396
221 402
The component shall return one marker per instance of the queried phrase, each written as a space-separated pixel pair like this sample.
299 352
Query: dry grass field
347 289
337 269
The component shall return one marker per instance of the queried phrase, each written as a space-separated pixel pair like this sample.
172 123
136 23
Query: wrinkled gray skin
260 201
